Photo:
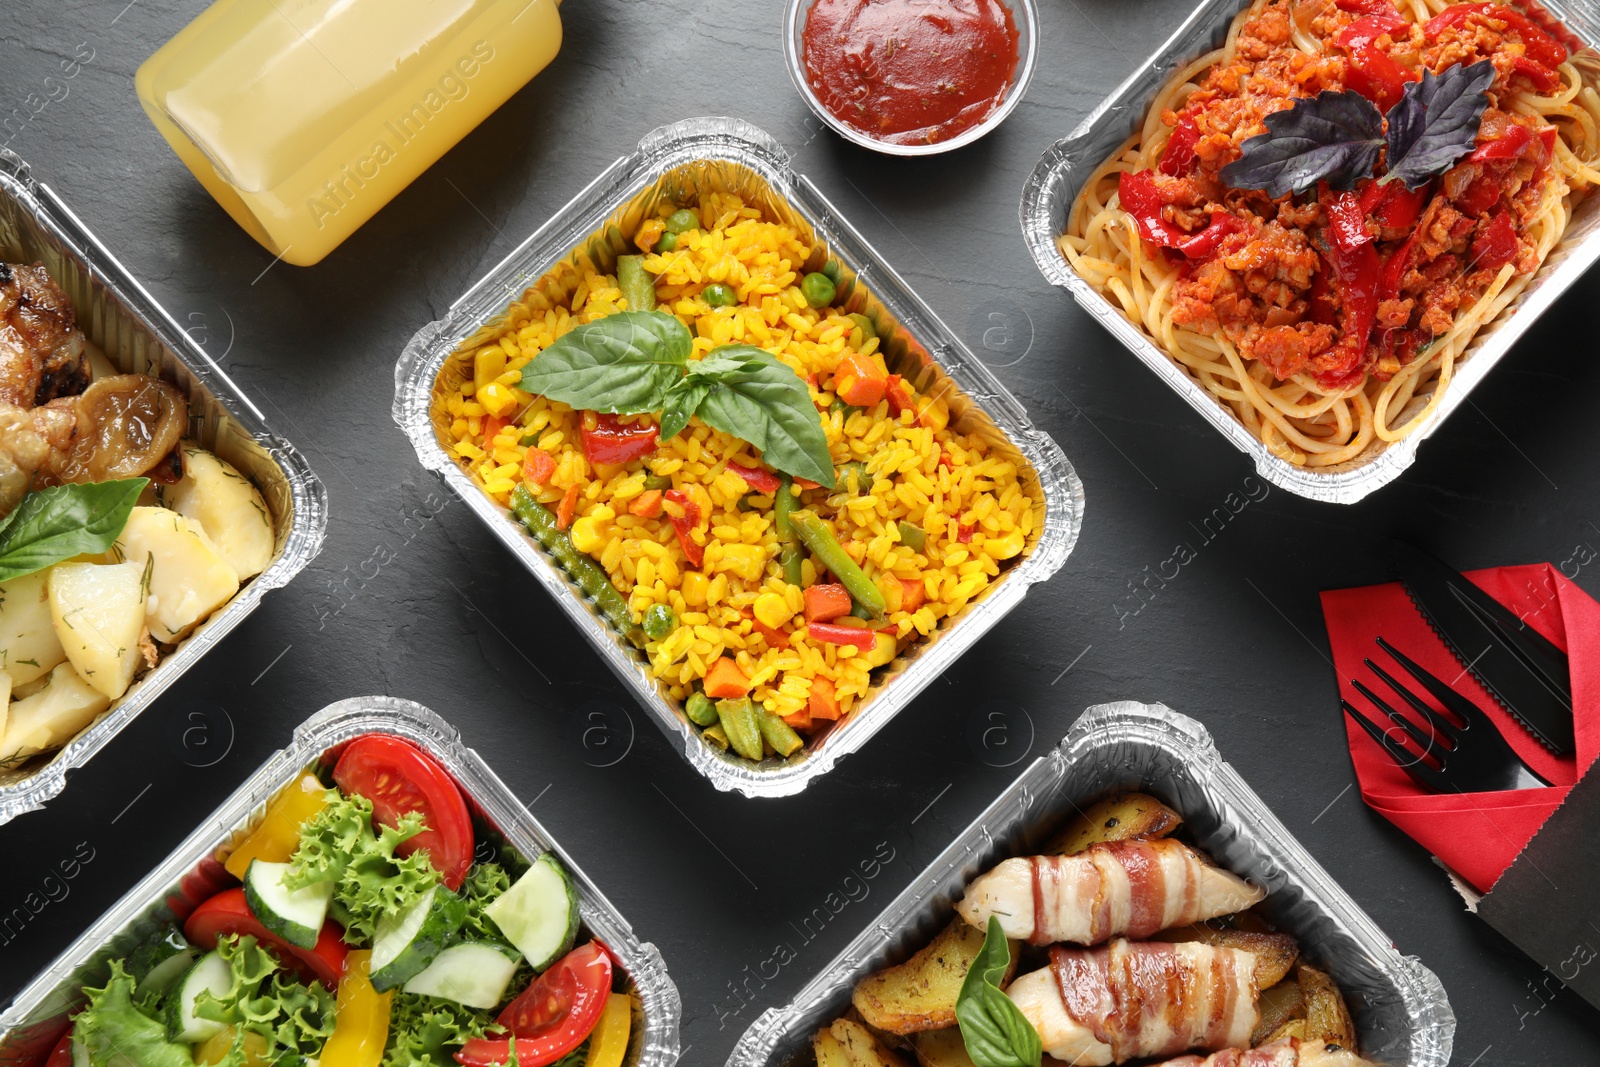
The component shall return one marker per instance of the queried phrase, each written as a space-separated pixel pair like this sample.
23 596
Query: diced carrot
774 638
912 594
647 505
538 466
799 720
492 425
824 703
725 681
567 508
860 380
899 395
826 602
964 533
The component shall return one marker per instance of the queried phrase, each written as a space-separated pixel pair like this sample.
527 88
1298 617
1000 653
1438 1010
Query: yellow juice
304 117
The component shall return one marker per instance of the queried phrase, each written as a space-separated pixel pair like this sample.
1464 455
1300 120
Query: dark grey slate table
412 598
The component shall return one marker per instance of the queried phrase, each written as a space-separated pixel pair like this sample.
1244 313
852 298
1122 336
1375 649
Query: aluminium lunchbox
37 1018
1053 186
724 153
137 336
1399 1005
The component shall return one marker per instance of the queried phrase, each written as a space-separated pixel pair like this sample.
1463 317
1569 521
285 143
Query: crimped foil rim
308 525
720 138
1058 174
341 721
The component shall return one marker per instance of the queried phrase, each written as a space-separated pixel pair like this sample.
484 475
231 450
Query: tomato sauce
910 71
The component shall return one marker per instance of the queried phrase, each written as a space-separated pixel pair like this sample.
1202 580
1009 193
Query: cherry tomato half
227 913
553 1015
398 779
61 1056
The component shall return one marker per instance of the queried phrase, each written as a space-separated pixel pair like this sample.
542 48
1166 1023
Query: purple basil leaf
1332 137
1436 122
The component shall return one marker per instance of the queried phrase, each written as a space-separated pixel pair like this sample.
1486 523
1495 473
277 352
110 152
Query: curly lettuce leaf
115 1033
338 845
273 1015
483 884
424 1031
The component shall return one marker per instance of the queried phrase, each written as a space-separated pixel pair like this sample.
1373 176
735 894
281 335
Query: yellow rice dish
896 473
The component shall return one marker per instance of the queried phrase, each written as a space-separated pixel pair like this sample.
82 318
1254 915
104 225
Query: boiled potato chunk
29 648
228 508
188 578
920 994
1122 817
98 610
51 717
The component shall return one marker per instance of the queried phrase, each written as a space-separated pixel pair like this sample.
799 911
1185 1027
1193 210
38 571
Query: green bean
868 331
789 554
820 540
778 734
589 575
637 284
657 481
739 722
913 536
859 610
659 622
716 737
818 289
682 220
700 709
864 479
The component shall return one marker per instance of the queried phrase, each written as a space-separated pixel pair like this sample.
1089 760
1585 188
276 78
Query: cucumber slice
158 964
539 913
296 915
80 1054
474 973
403 945
210 974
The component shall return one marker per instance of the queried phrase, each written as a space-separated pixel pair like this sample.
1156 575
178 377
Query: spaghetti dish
1317 218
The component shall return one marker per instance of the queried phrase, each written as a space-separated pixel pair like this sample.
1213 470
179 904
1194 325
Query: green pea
667 242
719 296
659 621
868 331
700 709
681 220
817 289
863 478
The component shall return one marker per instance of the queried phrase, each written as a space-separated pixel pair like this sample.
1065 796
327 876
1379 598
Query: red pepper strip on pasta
1140 198
1372 72
1179 155
1393 205
1543 78
1357 273
1508 145
1365 7
1541 47
1496 242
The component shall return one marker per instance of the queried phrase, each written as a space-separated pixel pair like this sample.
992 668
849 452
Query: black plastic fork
1466 756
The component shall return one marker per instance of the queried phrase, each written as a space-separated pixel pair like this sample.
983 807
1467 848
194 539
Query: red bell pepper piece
1540 46
1392 204
1347 222
1372 71
681 526
1179 155
834 634
899 395
1479 196
492 425
1508 145
1543 78
1140 198
1321 299
964 533
1364 31
1496 242
567 509
1357 272
1394 268
764 482
610 442
1365 7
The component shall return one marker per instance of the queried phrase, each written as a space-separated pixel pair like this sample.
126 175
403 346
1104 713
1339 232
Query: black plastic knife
1519 667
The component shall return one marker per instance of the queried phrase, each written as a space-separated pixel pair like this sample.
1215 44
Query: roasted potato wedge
1122 817
941 1048
1275 953
860 1047
1295 1028
1327 1018
920 994
1281 1004
829 1052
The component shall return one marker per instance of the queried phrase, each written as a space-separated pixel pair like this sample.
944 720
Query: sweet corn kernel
883 652
1004 546
588 535
487 365
772 609
695 586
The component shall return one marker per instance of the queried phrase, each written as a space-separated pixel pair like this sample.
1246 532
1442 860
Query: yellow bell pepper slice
215 1049
278 834
608 1042
362 1026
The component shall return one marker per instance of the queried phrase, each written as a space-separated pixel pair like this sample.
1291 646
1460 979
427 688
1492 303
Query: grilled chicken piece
1290 1052
41 348
1135 888
1128 1001
33 443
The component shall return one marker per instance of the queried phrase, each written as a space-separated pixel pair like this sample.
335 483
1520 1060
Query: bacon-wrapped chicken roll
1128 1001
1135 888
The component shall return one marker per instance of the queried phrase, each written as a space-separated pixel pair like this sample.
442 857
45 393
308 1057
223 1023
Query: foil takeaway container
1399 1006
1053 186
723 154
138 337
38 1016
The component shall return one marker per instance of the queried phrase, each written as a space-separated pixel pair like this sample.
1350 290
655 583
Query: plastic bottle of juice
304 117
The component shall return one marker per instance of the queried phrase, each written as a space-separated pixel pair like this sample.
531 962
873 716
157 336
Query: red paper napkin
1476 834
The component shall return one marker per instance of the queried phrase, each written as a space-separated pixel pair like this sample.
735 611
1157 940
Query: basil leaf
1436 122
993 1028
718 366
622 364
1333 137
682 402
50 525
768 405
